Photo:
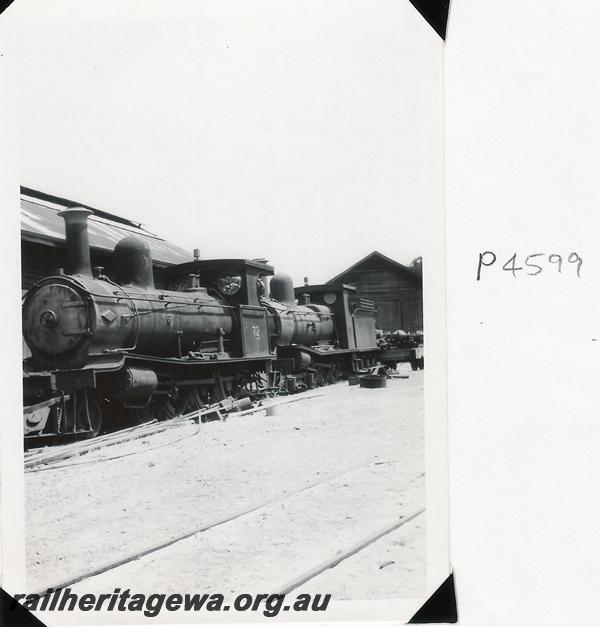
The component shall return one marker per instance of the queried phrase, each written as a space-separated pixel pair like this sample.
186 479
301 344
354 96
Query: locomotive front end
67 317
58 322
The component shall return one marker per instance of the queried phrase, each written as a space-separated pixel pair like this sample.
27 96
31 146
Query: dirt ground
324 474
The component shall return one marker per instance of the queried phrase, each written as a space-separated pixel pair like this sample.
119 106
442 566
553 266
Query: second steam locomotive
111 351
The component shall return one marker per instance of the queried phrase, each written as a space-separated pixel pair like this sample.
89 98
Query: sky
294 131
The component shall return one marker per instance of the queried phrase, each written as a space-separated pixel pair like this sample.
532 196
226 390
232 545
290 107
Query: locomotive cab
241 283
355 327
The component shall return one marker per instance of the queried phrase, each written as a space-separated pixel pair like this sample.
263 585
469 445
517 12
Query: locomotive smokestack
77 241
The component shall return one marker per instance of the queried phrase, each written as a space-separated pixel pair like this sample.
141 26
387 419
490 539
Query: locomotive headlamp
229 284
48 319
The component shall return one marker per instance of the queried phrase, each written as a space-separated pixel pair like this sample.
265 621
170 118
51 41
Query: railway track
248 518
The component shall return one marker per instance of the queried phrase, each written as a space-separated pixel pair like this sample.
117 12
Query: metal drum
372 381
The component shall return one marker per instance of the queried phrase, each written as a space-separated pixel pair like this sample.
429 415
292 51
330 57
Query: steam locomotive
106 352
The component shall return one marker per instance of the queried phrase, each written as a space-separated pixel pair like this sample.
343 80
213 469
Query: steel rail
188 534
340 557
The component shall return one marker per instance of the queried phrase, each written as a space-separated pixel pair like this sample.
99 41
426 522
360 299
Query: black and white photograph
232 310
299 312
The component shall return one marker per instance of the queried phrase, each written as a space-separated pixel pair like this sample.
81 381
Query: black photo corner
13 614
441 606
4 4
435 12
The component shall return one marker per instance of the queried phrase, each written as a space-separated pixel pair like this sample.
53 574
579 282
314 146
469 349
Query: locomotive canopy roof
40 223
201 265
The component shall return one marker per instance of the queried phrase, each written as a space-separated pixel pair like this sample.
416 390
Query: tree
417 265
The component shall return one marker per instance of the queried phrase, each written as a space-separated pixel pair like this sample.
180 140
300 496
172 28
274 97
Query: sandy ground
356 454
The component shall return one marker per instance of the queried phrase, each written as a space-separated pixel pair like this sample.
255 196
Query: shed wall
398 296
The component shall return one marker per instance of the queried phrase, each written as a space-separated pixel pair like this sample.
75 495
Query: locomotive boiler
112 350
70 319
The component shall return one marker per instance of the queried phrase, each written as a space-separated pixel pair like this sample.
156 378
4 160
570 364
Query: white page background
522 174
523 150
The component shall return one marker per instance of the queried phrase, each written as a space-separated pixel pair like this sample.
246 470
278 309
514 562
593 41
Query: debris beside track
216 411
58 453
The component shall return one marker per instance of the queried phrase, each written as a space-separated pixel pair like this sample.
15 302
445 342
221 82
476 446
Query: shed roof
40 223
376 255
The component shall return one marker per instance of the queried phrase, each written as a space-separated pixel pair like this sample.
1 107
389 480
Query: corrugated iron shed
40 223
